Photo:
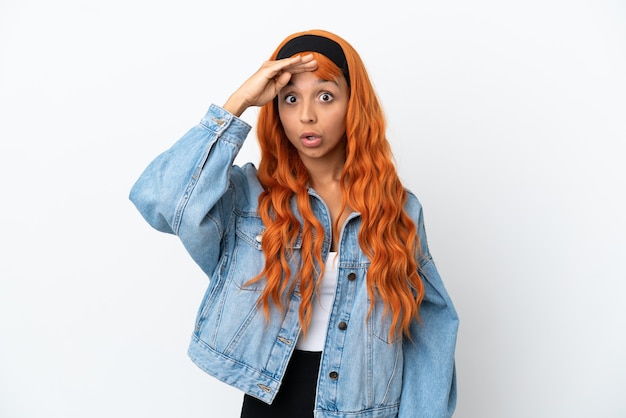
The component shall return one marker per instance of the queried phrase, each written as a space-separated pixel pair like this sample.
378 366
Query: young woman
323 297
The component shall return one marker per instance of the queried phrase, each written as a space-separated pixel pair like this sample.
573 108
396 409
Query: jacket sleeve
187 189
429 376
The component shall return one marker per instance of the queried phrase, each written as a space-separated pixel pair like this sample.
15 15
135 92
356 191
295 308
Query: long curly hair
370 186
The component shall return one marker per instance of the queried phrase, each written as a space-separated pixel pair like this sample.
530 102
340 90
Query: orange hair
370 186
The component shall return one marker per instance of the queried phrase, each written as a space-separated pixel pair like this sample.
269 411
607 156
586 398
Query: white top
321 305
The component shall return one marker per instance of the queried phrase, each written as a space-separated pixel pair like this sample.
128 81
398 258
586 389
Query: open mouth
311 140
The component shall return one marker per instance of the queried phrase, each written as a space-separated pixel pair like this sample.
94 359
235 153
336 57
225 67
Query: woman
323 297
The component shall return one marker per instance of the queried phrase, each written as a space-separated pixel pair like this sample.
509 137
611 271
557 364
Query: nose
307 113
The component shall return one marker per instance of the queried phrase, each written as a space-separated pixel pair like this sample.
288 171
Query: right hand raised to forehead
265 84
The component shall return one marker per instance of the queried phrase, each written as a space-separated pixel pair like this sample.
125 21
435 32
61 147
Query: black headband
316 43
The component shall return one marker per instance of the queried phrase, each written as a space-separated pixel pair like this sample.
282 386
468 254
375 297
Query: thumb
282 80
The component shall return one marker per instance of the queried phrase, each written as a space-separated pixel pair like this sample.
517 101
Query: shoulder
247 187
413 206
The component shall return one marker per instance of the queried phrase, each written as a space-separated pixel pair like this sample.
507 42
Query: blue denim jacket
193 190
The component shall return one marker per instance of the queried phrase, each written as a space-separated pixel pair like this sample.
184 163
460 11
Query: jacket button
351 276
333 375
284 340
342 326
264 388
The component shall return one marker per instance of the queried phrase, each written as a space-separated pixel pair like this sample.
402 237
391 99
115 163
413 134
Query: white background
508 120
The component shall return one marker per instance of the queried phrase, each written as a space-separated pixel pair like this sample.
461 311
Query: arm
429 377
187 190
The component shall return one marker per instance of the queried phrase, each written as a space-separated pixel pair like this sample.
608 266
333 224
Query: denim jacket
195 191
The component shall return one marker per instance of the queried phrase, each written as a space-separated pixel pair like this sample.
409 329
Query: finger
308 63
306 58
296 59
286 64
310 66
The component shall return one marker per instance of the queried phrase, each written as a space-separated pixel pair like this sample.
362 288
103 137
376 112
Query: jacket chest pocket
249 231
248 258
380 323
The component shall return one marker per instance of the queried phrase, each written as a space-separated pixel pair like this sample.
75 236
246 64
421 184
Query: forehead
309 79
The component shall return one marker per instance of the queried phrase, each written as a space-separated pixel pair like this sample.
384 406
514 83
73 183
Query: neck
324 174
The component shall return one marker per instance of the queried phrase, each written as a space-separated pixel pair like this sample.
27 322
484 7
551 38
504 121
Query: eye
290 99
326 97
